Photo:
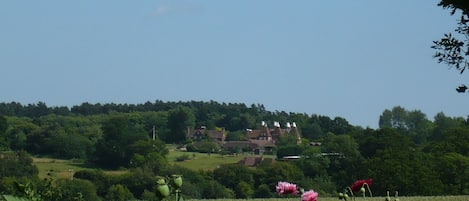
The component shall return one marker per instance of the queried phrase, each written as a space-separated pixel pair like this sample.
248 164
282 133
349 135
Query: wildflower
309 196
286 188
357 185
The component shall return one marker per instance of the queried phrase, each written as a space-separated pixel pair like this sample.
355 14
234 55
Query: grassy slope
197 161
62 168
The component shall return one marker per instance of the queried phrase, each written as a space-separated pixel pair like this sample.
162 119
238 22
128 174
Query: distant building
202 133
273 134
258 141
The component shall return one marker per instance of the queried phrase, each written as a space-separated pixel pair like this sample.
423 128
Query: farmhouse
202 133
273 134
258 141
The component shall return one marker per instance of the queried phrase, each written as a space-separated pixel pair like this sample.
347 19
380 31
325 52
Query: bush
183 157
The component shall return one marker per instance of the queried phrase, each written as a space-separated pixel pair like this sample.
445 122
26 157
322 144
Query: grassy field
196 161
204 161
416 198
63 168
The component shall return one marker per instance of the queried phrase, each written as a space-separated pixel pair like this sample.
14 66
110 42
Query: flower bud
163 190
341 196
177 181
362 190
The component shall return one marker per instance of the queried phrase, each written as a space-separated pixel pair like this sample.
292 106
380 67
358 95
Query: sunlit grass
63 168
205 161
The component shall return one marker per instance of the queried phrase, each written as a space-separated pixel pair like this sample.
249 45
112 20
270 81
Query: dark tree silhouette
453 48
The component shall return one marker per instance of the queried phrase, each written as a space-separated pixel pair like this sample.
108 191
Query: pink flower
359 184
309 196
286 188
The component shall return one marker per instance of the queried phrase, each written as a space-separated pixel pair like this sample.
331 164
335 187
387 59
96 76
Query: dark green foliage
313 163
244 190
453 49
3 127
119 192
383 139
119 142
17 164
98 178
288 150
71 189
236 136
179 119
280 171
203 147
412 123
214 190
183 157
232 175
263 191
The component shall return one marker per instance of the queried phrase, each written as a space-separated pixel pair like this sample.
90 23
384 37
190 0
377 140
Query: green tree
413 123
280 171
119 192
288 150
19 129
236 136
179 119
263 191
244 190
76 188
3 127
137 180
115 148
453 49
231 175
17 164
98 178
212 189
454 173
443 123
382 139
313 163
344 158
408 171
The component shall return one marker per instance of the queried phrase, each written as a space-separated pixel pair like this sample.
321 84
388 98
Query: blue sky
352 59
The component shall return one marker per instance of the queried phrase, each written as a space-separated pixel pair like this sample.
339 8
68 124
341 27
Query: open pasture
63 168
202 161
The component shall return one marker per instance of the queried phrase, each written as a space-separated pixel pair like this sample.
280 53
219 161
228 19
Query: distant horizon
247 105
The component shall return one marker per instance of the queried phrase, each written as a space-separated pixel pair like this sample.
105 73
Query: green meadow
63 168
205 161
195 161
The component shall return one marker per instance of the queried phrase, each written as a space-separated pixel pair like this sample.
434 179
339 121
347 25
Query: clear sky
352 59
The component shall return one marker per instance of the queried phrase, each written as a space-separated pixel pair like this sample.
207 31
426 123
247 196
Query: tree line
407 153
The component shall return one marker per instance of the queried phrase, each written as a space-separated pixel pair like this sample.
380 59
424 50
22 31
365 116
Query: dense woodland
409 152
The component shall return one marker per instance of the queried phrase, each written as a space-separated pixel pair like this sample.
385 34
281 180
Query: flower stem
368 187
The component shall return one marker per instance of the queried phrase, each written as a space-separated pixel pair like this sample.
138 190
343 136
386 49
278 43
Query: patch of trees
408 152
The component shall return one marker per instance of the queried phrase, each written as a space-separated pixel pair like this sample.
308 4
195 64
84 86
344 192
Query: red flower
286 188
359 184
309 196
